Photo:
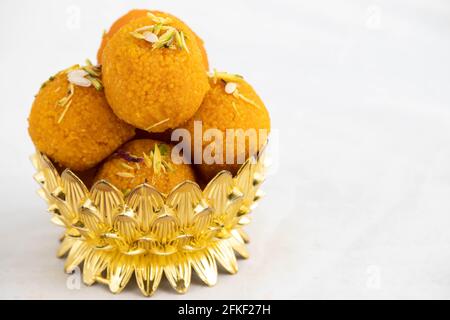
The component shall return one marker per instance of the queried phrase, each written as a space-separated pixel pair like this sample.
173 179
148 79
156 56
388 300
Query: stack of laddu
113 120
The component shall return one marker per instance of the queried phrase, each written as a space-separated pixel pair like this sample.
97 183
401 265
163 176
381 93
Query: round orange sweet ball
154 81
134 14
144 161
230 104
75 130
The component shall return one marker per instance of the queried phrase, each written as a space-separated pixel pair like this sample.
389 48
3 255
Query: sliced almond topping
230 87
150 37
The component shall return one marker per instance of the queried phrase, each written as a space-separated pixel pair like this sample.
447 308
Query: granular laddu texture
141 161
240 108
153 89
139 13
87 133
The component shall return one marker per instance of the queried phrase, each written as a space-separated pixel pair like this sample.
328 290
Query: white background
359 92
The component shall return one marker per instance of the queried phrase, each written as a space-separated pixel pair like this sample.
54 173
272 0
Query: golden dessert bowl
147 233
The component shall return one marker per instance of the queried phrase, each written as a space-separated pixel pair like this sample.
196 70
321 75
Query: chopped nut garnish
157 124
231 86
128 156
159 20
98 85
165 39
61 117
157 159
225 76
66 102
147 160
233 104
86 76
150 37
126 166
249 101
78 77
94 71
125 175
171 38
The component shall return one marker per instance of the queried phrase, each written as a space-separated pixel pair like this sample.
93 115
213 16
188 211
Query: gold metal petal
94 264
245 181
60 207
127 227
91 218
179 274
148 275
224 253
184 199
64 247
77 254
244 177
202 221
39 177
51 178
44 195
224 197
165 227
243 235
239 247
56 219
244 221
237 235
120 271
258 195
146 202
205 266
74 189
217 191
107 199
258 179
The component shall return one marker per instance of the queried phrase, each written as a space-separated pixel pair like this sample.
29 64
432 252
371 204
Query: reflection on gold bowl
147 233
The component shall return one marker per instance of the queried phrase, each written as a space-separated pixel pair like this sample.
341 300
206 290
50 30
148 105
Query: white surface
360 94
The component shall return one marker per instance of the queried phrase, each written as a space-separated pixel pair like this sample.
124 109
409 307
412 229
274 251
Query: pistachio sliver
157 28
183 42
156 159
165 39
227 77
145 28
156 19
70 91
98 85
137 35
92 71
126 166
147 160
249 101
178 39
125 175
61 117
